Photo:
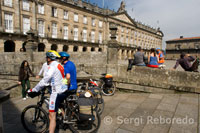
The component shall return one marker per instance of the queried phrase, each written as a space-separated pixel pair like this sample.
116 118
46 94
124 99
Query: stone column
112 52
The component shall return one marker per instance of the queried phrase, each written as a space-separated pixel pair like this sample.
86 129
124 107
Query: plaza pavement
129 113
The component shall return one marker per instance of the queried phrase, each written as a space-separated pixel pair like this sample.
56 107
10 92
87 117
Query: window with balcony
100 24
93 36
66 15
84 19
54 30
75 34
93 22
84 35
54 12
26 25
66 32
8 21
25 5
41 8
100 37
8 3
75 17
41 28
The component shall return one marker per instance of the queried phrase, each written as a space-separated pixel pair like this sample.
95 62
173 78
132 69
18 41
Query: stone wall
93 62
157 80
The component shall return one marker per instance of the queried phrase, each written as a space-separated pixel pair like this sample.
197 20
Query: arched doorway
84 49
9 46
54 47
92 49
75 49
65 48
24 46
41 47
100 49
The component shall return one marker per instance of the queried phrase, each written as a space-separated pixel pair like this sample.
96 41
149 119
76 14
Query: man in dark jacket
185 62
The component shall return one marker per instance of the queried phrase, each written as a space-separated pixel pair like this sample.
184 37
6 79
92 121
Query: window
41 28
8 23
131 41
8 3
66 16
122 39
84 35
54 12
85 20
100 24
93 36
93 22
25 4
40 8
66 32
75 34
100 37
75 17
122 29
54 30
127 40
127 31
26 25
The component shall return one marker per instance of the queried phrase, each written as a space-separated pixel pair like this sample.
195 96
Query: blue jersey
70 68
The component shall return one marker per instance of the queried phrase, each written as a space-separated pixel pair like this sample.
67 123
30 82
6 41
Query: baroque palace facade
188 45
71 25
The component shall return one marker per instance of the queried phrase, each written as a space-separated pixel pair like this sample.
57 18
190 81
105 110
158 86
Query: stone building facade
188 45
72 25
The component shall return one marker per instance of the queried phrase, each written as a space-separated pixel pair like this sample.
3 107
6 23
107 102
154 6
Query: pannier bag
108 82
86 106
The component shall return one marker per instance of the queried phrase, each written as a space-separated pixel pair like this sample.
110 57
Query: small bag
108 82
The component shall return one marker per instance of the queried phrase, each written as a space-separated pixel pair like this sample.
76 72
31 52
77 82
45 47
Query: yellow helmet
52 54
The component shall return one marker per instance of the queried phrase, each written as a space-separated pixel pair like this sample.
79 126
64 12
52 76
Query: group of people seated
155 59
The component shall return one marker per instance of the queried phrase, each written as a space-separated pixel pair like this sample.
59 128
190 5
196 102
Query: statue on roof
122 7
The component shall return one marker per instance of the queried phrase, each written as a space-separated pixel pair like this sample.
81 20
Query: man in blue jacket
70 71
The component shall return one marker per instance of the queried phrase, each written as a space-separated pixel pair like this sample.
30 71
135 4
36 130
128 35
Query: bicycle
35 119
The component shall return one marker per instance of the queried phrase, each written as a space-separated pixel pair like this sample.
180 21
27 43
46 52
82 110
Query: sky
174 17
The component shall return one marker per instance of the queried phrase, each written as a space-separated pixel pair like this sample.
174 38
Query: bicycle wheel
108 91
84 126
35 119
100 102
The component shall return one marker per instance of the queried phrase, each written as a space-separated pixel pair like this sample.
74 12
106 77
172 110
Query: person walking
24 74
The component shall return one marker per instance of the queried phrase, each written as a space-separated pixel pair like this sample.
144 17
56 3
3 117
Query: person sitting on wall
139 58
161 58
153 59
185 62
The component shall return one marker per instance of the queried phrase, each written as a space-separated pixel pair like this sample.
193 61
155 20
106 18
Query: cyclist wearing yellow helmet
54 76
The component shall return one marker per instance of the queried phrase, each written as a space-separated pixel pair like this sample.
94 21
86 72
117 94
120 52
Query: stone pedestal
4 95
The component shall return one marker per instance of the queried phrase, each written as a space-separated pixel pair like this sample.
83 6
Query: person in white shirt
54 76
43 70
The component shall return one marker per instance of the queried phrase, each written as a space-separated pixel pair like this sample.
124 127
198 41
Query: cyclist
70 72
55 76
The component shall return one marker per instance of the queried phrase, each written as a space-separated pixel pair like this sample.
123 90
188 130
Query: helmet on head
52 54
64 54
157 49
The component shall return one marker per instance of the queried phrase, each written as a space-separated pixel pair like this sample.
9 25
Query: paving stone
167 107
158 127
156 96
122 131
